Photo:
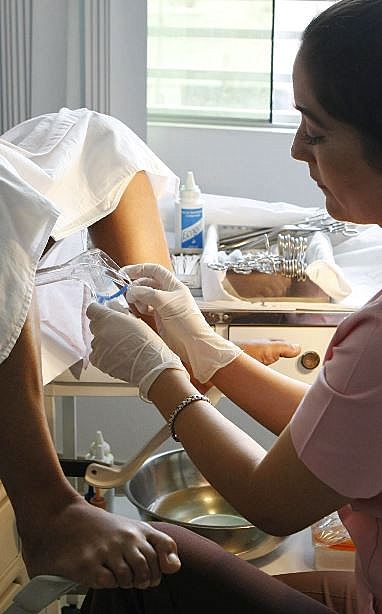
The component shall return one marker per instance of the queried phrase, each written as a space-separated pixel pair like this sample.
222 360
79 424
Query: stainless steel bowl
168 487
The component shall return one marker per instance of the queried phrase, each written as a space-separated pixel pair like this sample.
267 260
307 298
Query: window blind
226 62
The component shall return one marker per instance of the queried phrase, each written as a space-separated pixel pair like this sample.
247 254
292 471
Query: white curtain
15 61
36 67
74 53
96 40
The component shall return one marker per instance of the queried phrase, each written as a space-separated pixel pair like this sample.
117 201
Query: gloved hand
127 348
179 320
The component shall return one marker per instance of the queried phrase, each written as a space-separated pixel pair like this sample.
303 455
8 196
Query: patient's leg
28 460
61 533
133 232
210 580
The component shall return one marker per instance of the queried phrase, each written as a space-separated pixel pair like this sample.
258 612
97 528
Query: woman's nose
299 150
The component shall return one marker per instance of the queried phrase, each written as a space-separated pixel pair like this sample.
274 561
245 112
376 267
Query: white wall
127 423
49 56
253 163
128 21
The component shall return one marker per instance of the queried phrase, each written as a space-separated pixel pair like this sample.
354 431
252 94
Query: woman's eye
310 139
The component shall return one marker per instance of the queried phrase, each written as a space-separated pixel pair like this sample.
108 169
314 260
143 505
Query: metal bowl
169 488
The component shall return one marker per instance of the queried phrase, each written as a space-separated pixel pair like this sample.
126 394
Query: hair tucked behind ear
342 52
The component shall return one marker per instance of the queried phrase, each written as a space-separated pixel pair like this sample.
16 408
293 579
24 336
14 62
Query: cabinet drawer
9 540
313 340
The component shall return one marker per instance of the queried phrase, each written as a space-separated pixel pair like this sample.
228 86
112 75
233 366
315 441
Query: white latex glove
127 348
179 320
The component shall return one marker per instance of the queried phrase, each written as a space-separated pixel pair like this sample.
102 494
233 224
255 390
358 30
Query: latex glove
179 320
127 348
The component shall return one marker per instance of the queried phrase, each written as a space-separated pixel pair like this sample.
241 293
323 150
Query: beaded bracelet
180 407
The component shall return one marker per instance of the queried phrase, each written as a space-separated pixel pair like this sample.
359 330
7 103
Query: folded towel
212 281
323 270
360 259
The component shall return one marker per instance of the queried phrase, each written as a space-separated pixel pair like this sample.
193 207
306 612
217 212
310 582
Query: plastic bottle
189 217
100 451
98 500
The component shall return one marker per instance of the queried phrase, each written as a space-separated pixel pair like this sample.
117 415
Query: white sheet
81 161
323 270
26 221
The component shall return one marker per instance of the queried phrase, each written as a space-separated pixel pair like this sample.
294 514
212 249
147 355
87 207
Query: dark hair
342 52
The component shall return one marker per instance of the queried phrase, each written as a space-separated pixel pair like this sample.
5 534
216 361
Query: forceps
310 225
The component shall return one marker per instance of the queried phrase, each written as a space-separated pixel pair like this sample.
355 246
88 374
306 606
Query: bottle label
192 224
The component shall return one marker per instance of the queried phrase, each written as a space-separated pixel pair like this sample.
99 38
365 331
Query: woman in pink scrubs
328 454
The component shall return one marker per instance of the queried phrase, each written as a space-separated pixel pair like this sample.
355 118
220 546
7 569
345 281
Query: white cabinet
312 339
311 329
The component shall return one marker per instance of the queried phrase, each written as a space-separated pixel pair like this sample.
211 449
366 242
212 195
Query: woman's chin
333 208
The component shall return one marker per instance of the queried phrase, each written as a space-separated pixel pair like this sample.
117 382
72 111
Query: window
224 62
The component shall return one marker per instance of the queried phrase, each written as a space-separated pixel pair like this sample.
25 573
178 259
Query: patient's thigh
210 580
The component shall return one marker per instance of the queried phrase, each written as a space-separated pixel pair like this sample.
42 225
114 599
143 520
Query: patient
61 173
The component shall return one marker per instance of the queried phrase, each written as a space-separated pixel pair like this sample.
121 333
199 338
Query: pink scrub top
337 433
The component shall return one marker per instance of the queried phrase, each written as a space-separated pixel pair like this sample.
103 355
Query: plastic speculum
95 269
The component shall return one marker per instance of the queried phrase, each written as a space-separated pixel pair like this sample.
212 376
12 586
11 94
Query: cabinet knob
310 360
211 317
215 317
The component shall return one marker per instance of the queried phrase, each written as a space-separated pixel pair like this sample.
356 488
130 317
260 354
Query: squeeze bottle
100 451
189 217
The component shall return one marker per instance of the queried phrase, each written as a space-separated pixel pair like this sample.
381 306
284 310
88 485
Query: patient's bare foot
97 549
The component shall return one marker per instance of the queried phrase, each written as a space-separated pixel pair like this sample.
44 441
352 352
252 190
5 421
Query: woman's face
334 153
